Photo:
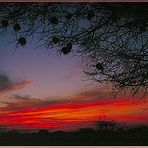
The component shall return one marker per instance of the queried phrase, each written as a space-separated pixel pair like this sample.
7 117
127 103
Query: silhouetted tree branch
105 123
113 36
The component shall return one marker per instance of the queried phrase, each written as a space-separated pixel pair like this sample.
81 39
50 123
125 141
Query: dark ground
83 137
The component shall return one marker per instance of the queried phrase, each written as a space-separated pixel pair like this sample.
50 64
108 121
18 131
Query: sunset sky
47 91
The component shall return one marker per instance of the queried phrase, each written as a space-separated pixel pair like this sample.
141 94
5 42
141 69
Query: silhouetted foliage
43 132
86 131
105 123
113 36
133 136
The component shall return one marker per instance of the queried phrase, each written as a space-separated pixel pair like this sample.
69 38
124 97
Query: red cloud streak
68 116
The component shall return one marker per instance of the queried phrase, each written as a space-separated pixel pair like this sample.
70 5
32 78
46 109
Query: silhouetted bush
133 136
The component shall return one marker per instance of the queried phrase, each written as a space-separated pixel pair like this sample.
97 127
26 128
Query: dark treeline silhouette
85 136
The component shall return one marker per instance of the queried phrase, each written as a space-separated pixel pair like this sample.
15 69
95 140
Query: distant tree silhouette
105 123
43 132
84 137
113 37
86 130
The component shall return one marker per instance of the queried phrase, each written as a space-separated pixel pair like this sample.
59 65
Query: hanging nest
69 16
17 27
90 14
22 41
99 67
67 49
55 40
4 23
53 20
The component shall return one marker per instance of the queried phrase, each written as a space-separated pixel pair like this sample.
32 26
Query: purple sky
53 75
53 84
